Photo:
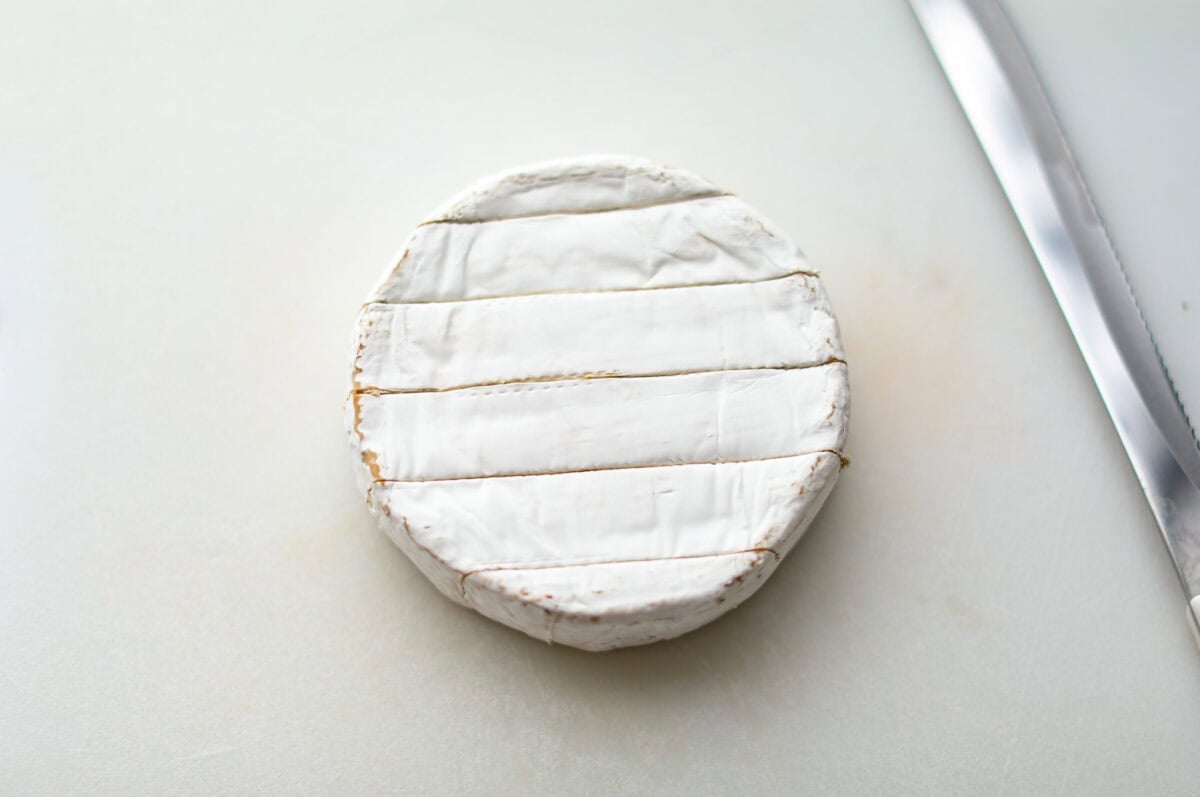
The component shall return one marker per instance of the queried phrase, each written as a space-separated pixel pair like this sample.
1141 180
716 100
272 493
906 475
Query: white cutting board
193 599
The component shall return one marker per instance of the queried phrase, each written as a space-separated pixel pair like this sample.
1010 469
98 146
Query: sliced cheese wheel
598 400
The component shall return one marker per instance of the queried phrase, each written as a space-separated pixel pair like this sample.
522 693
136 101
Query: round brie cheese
598 400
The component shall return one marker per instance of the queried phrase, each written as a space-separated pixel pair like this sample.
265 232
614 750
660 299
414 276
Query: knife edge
1006 105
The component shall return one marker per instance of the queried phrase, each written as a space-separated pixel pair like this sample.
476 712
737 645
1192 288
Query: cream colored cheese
598 400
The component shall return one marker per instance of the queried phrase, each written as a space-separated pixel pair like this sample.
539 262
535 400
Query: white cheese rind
575 185
717 239
601 607
574 425
572 519
447 580
598 400
781 323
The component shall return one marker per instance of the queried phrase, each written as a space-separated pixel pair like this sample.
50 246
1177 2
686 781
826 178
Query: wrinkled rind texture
598 400
779 323
698 241
575 185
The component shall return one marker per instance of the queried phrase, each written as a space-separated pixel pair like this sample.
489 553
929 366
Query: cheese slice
598 400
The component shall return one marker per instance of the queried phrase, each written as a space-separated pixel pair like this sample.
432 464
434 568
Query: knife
1000 93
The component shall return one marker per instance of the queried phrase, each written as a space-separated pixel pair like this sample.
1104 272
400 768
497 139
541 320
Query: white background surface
193 599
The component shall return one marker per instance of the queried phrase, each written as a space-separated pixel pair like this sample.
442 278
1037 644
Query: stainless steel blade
999 90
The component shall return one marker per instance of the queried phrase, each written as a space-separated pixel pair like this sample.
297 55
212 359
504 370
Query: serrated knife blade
1004 101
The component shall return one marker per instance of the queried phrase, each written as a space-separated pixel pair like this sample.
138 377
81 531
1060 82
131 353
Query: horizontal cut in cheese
780 323
598 400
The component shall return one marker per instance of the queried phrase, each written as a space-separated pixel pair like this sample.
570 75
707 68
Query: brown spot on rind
371 460
356 369
356 403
